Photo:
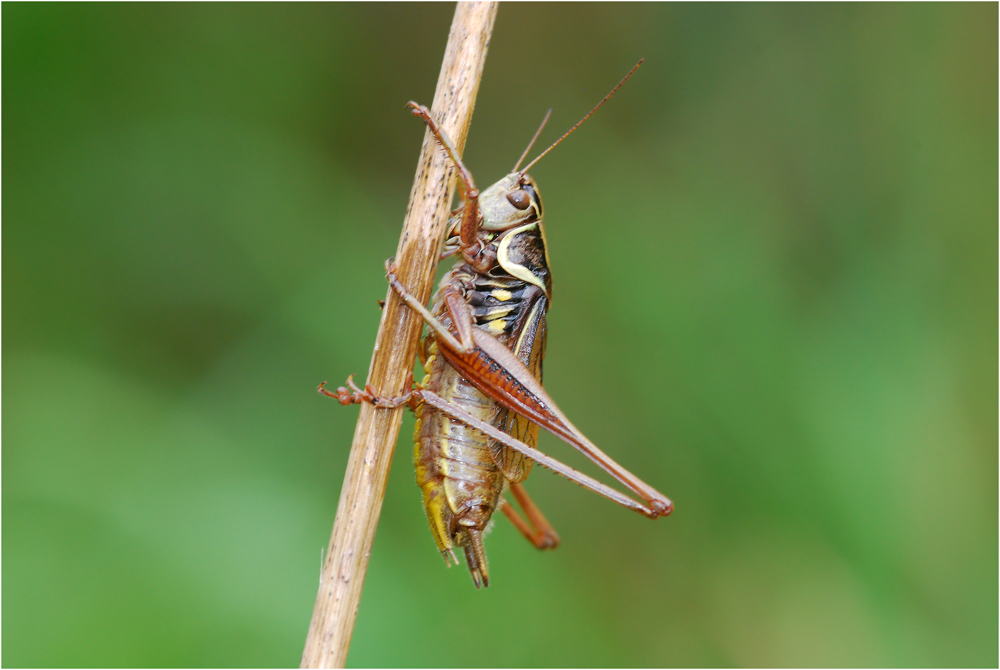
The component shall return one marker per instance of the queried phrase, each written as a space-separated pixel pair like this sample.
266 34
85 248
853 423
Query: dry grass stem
346 561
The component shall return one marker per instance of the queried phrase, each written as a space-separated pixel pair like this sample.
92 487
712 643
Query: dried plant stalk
346 561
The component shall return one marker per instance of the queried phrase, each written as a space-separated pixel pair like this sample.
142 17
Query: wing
529 347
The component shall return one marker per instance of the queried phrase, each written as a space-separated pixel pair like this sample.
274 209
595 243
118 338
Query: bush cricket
481 402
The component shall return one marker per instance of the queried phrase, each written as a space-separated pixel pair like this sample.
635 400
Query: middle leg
353 395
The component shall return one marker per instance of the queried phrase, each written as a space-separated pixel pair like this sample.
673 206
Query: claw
351 394
346 396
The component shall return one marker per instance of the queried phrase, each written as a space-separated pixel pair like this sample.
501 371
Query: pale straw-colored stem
350 547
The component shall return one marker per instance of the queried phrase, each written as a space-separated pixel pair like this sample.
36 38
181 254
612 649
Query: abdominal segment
455 470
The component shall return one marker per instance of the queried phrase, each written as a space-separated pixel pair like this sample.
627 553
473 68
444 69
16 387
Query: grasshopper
481 402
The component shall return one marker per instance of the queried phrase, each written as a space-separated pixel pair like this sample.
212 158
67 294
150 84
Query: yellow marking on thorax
496 326
512 268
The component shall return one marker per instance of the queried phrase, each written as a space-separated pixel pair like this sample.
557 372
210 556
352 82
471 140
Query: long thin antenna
568 132
532 142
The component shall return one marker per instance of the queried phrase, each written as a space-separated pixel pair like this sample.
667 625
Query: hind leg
539 532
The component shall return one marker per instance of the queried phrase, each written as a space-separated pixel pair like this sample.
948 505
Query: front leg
471 246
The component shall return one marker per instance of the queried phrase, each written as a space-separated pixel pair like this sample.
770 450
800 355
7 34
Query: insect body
481 403
461 471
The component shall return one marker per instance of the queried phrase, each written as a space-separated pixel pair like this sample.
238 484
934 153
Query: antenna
532 142
568 132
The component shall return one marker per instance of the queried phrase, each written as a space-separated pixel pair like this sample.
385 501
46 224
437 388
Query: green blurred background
775 262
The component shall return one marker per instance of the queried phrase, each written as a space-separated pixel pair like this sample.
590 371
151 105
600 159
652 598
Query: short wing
529 347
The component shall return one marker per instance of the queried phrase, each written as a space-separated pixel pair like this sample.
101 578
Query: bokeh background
775 257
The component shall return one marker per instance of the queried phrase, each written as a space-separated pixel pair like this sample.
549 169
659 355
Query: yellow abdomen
459 479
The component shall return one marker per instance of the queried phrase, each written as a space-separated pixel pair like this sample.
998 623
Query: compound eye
519 199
